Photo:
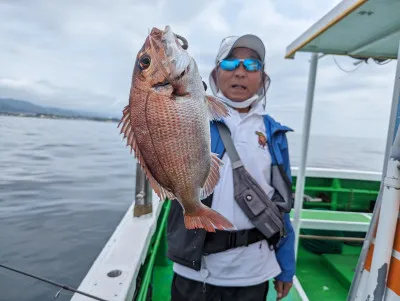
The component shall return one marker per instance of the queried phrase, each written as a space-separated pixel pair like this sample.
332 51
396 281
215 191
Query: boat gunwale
119 254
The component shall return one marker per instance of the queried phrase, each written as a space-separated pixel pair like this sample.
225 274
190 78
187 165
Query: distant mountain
15 106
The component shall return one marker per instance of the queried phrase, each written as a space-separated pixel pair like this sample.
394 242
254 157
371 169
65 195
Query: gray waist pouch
258 207
263 212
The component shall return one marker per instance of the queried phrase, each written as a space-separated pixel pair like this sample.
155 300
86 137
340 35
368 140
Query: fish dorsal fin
216 108
212 178
126 129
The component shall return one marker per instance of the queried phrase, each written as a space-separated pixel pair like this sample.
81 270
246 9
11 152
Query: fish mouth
176 79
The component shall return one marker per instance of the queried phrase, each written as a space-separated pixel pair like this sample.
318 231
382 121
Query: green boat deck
327 276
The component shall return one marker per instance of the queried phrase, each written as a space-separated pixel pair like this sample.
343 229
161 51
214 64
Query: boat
339 242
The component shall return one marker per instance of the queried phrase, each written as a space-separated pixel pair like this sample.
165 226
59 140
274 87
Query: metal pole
392 129
143 200
298 205
376 285
365 248
394 114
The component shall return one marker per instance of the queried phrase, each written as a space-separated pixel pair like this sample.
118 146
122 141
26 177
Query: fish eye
144 62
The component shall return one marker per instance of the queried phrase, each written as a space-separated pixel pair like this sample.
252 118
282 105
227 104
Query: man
236 269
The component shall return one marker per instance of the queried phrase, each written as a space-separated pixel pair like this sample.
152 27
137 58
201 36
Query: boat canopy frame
360 29
342 31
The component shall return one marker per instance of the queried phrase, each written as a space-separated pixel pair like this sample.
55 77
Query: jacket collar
258 108
276 126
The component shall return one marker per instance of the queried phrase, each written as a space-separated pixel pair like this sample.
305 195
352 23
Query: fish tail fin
216 108
208 219
212 178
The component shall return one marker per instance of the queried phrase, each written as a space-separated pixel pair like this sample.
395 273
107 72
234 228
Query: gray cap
248 40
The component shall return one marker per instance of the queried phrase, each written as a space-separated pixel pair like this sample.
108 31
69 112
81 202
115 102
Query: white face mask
238 104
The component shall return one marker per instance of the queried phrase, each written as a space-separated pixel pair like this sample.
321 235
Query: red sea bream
166 124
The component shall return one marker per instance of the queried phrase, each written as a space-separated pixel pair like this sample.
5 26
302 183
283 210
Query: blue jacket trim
278 147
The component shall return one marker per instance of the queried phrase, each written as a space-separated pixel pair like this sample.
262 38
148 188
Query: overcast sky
80 54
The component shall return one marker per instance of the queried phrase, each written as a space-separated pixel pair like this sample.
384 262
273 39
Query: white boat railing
330 173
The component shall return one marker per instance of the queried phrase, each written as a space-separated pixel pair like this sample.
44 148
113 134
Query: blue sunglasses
251 65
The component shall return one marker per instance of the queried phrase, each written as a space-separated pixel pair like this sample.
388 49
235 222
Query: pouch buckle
238 238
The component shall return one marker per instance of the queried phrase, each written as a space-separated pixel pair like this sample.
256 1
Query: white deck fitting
125 251
299 289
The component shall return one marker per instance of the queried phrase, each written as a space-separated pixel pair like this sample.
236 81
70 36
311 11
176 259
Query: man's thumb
279 289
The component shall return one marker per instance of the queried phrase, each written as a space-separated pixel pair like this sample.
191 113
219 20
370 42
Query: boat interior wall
361 29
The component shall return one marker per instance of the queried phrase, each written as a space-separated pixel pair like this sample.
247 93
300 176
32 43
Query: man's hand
282 289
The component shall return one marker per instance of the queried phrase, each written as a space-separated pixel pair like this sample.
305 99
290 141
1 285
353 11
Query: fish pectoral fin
212 178
216 108
126 129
